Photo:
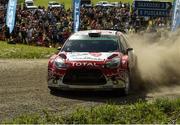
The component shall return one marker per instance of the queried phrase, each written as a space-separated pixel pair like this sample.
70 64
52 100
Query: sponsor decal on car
79 64
88 56
95 54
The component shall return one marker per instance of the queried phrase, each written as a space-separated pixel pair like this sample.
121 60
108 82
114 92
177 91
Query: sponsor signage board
152 9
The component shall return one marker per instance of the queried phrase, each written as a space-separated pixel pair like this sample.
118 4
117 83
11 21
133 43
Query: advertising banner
11 14
76 15
152 8
176 15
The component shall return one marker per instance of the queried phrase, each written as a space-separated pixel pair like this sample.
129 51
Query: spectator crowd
3 6
50 27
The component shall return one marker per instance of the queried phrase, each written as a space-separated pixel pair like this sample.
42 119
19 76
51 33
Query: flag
76 14
11 13
176 15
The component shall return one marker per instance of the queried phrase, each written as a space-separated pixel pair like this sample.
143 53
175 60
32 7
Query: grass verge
160 111
24 51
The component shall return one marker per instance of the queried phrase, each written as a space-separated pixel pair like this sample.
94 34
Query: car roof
103 32
109 33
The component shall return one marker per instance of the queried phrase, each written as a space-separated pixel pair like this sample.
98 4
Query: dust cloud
158 57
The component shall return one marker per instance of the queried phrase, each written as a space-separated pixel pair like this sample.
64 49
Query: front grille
84 77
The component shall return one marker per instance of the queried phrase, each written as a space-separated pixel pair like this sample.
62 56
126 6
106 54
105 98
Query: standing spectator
29 34
7 33
24 33
53 26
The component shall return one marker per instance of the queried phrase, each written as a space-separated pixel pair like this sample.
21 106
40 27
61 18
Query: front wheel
53 90
126 90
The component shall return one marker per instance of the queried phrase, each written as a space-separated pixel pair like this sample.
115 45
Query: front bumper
92 78
110 85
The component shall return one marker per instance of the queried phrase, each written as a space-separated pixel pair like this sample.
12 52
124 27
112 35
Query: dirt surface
23 89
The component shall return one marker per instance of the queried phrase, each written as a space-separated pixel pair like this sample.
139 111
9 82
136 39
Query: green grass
160 111
24 51
69 2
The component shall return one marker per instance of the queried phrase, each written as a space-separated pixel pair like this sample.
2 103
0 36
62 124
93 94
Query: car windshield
91 46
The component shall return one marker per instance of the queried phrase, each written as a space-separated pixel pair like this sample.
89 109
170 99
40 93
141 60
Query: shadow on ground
103 96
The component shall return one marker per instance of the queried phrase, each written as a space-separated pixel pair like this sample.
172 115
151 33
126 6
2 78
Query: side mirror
129 49
59 48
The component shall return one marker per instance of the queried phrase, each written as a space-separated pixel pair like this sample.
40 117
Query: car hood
88 56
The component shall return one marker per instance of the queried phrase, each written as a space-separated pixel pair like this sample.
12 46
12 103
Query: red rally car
92 59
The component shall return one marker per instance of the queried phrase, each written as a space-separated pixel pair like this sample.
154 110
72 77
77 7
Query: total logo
78 64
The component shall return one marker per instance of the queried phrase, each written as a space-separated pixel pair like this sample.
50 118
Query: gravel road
23 89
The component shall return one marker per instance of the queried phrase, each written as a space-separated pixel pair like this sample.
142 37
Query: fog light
55 81
115 82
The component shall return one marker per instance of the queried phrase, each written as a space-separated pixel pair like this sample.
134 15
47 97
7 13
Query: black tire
126 90
53 90
135 79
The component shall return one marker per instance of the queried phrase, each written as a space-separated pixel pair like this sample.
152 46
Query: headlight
114 63
59 63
